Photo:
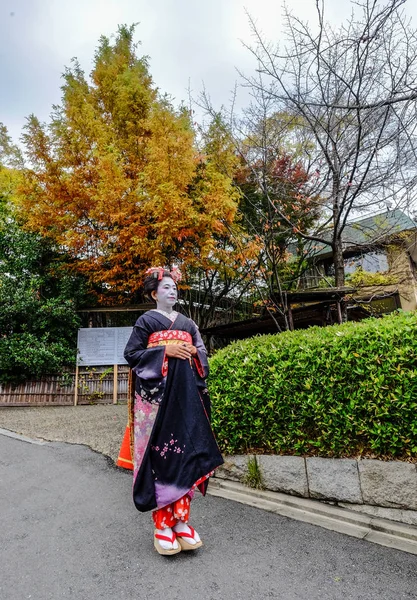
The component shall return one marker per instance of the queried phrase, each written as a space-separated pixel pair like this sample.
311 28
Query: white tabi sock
182 527
164 543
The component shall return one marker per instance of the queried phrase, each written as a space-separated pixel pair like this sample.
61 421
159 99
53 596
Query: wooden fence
95 386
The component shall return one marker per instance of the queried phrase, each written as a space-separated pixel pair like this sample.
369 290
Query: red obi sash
169 336
173 336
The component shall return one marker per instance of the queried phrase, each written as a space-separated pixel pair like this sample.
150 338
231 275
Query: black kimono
174 449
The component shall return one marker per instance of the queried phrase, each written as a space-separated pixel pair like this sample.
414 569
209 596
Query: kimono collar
171 316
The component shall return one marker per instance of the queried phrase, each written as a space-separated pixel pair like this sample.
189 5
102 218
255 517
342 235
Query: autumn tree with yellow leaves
116 178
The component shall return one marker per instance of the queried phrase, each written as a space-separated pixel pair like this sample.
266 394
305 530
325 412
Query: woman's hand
192 349
183 351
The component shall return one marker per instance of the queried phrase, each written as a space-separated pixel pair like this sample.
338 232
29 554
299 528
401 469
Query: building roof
369 231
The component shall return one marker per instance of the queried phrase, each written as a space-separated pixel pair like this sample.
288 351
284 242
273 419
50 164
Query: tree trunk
339 272
339 265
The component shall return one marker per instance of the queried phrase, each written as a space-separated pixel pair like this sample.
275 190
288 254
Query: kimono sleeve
149 364
200 361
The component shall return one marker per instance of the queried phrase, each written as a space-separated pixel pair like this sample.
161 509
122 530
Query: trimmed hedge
345 390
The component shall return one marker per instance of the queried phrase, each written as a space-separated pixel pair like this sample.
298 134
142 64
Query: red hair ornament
158 273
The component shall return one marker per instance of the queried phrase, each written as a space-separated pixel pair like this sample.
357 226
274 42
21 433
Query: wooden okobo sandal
183 542
164 551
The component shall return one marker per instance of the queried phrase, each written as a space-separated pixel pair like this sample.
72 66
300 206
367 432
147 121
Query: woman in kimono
174 449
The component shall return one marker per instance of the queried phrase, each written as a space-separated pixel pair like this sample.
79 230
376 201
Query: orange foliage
115 178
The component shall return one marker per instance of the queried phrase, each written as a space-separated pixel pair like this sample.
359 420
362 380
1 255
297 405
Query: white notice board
99 346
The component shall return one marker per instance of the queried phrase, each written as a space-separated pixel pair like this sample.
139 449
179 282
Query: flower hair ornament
158 273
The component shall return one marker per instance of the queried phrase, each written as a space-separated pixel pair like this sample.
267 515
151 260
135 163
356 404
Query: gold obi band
169 336
164 343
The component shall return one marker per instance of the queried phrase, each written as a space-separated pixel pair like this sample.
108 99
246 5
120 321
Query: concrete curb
379 531
23 438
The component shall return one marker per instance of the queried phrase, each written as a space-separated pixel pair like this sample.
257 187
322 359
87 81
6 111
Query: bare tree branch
352 92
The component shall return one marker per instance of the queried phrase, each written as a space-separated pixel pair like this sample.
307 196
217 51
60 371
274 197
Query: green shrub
39 296
345 390
25 356
361 278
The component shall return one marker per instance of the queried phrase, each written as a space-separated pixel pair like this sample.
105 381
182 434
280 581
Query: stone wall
384 489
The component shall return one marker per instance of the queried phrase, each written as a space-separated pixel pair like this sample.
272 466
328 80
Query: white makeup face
166 294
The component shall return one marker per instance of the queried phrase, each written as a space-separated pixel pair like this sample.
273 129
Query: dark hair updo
151 283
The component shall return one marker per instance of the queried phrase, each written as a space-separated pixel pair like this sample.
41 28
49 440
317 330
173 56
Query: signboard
100 346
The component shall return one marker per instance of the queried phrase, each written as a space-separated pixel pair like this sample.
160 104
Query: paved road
69 530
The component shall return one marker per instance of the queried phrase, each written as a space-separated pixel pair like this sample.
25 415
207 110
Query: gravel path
100 427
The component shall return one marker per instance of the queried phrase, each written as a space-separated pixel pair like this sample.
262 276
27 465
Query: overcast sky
189 42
